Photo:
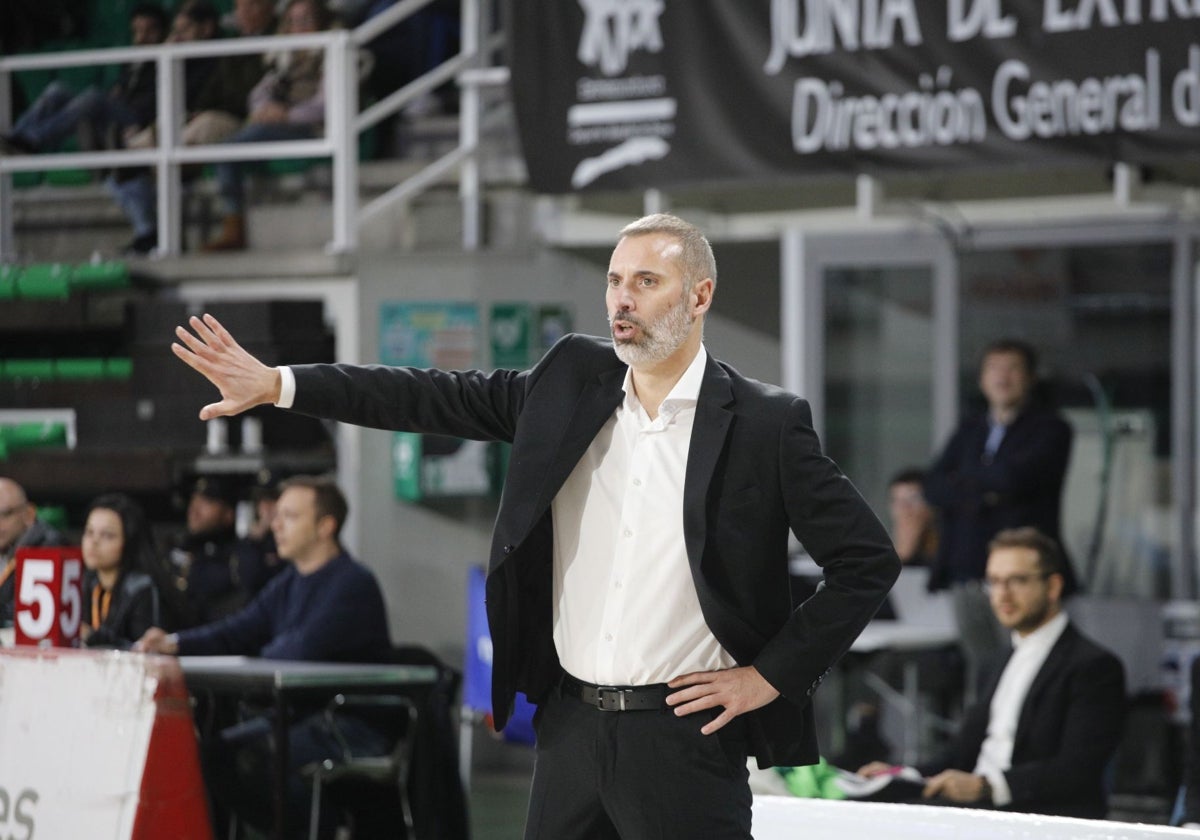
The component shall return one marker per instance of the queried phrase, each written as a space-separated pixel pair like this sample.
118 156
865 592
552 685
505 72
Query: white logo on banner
615 28
631 112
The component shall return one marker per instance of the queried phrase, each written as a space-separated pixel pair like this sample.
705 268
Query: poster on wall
521 333
444 335
617 94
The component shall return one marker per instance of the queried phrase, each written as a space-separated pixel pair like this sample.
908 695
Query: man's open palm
243 380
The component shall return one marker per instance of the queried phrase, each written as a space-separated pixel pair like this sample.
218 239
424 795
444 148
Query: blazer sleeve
466 404
842 534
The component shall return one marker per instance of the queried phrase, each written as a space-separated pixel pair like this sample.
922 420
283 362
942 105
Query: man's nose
623 295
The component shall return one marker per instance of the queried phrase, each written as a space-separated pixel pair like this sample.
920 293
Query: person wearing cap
204 583
256 555
19 527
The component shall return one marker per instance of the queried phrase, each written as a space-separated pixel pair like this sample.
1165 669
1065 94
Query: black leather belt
617 698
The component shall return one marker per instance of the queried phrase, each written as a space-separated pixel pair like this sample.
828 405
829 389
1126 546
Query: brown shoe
232 236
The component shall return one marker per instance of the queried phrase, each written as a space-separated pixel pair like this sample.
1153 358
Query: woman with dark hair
120 601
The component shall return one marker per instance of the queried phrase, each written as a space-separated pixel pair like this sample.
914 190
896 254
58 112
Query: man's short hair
200 12
1050 556
1016 346
150 10
696 253
329 498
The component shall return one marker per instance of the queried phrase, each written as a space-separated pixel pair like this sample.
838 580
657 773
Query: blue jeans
57 113
230 182
138 200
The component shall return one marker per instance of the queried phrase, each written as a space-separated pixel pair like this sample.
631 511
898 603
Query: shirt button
616 584
608 637
627 533
637 482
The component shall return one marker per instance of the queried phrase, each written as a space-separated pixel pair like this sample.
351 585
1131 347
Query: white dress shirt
1028 656
625 607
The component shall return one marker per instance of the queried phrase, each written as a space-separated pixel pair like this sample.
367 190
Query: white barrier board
74 732
790 818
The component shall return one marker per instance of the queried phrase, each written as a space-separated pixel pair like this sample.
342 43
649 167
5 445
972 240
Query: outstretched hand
737 690
242 379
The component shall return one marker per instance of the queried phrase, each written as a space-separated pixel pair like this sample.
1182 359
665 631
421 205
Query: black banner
614 94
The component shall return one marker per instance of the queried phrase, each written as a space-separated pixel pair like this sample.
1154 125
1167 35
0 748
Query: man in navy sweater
324 607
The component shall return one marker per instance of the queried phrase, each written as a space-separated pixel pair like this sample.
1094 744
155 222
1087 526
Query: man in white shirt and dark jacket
638 584
1048 722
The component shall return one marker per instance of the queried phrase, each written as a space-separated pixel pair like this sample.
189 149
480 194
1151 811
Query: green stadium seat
83 368
8 281
28 435
118 367
45 281
53 515
100 275
24 180
27 369
68 177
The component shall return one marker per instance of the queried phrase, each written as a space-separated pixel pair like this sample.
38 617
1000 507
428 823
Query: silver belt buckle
610 699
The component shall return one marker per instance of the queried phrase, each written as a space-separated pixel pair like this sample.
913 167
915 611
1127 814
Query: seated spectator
19 527
120 601
1050 719
201 581
256 554
324 606
133 188
103 119
288 103
913 525
220 105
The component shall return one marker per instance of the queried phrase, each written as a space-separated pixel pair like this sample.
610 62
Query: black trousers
636 775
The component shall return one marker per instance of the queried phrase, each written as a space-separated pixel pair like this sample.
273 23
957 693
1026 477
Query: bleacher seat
45 281
100 275
28 435
80 368
8 281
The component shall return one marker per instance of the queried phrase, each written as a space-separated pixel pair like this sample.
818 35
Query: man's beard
657 340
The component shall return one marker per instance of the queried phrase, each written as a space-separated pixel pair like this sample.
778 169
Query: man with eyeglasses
1050 719
19 527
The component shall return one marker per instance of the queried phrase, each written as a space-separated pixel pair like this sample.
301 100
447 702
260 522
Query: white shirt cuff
1001 792
287 387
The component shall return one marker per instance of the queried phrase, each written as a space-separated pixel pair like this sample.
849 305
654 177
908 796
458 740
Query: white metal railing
343 121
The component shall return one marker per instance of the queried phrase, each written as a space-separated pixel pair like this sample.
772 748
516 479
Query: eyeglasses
1013 581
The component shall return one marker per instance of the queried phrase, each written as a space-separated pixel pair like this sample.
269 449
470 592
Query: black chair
390 771
418 783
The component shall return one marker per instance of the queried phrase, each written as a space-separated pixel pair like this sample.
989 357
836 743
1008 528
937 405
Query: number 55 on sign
49 596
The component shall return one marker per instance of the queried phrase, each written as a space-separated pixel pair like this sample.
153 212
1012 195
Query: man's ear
1055 583
326 526
702 296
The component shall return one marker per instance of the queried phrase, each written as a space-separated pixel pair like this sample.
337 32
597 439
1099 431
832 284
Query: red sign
49 596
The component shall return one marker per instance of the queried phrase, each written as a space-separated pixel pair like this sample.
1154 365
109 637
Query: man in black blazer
1002 468
1047 725
638 580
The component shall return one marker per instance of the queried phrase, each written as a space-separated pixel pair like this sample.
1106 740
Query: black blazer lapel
596 404
1052 668
709 430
